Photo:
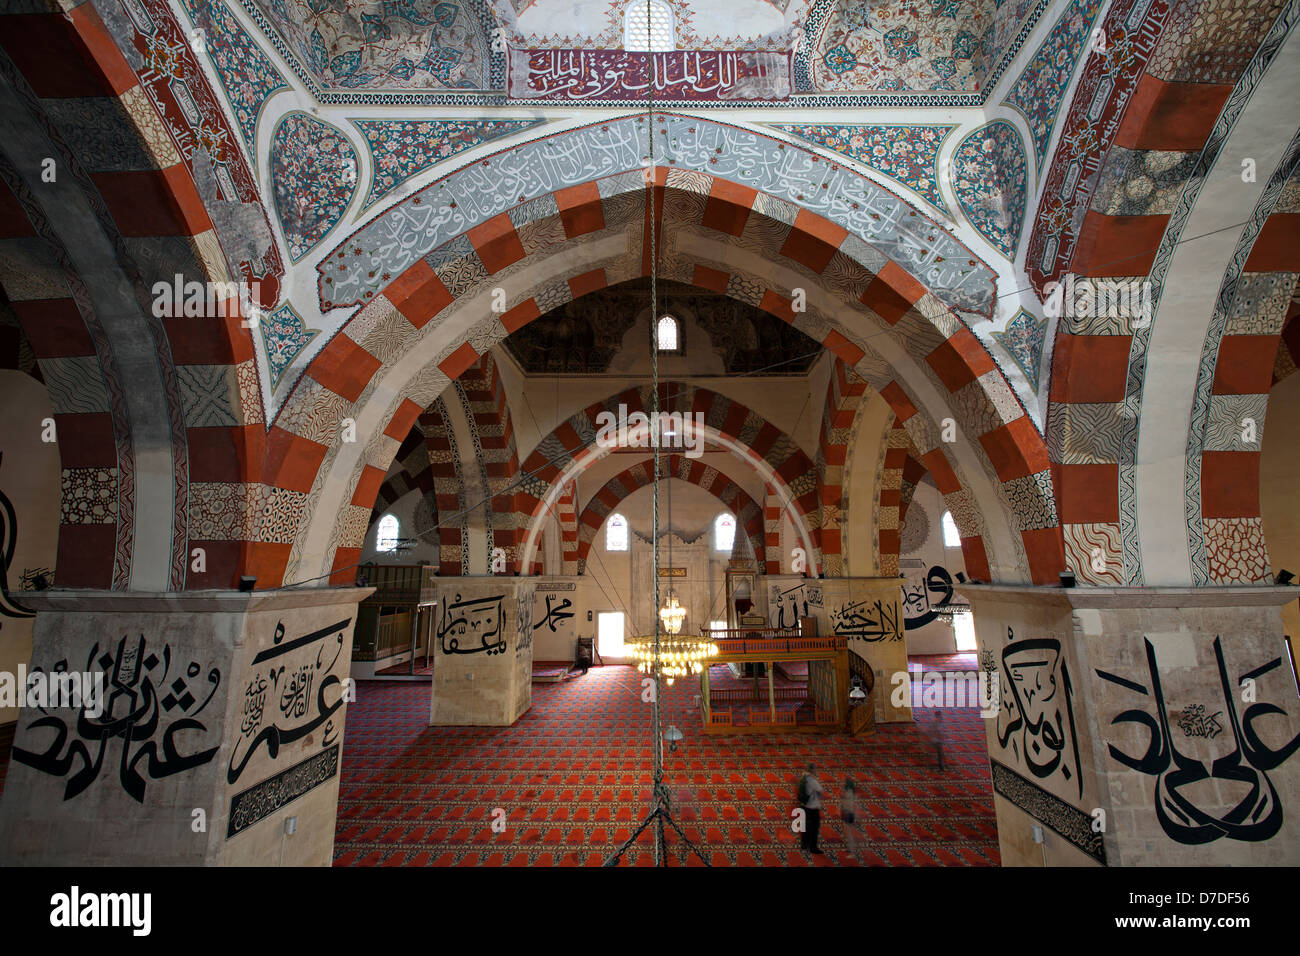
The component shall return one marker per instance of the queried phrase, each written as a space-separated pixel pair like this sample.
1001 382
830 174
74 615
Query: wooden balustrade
742 694
778 646
862 720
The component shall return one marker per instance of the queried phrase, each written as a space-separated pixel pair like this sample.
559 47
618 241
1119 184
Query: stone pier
218 731
483 651
1137 726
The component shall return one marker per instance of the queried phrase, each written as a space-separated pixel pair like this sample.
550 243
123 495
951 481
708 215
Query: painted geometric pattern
1092 552
177 110
1143 182
448 486
1235 551
1023 340
1211 41
353 273
285 335
844 398
1086 433
1230 401
89 496
407 45
1040 89
1217 488
313 177
483 393
908 154
400 149
420 294
991 180
246 75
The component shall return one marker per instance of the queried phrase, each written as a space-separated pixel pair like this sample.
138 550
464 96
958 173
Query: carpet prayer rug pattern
572 777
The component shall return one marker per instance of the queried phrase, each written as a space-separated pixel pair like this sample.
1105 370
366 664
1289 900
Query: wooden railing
754 716
398 583
740 633
779 645
741 694
860 669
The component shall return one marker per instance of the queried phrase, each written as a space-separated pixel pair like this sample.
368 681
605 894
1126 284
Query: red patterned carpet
423 668
573 774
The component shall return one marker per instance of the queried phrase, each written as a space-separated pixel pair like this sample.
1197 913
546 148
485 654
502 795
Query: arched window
724 532
951 536
616 533
388 529
666 334
648 26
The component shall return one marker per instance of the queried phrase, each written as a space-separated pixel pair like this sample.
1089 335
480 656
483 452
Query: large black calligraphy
292 669
1036 720
872 619
1243 770
148 707
8 544
925 600
467 619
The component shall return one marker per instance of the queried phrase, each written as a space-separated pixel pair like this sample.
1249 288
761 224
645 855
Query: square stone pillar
483 644
221 716
1141 726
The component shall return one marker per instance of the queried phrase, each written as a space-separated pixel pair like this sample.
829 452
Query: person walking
810 798
849 814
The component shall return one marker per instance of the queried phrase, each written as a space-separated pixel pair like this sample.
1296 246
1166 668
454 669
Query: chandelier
672 614
678 656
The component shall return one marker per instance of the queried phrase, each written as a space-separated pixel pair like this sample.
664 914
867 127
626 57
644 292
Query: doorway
609 633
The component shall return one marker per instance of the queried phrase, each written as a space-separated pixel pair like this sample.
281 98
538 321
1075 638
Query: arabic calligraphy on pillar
1238 760
297 679
1036 719
149 717
874 620
924 600
472 626
788 604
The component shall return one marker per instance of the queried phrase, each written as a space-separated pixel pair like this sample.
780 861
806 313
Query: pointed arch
749 516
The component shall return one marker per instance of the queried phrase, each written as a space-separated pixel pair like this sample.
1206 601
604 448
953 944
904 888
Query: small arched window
616 533
951 536
388 530
648 26
724 532
666 338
